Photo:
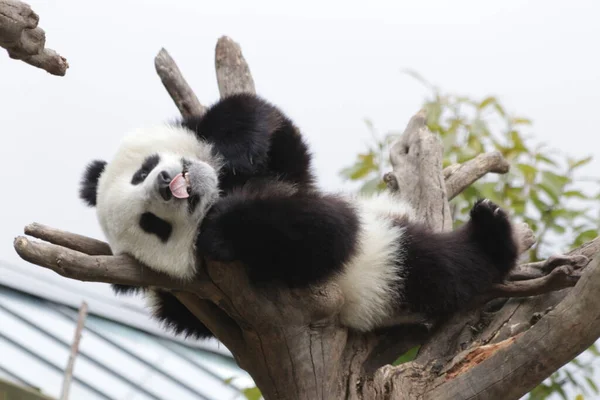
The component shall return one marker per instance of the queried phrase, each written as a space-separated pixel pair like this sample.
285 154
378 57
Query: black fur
177 317
154 225
89 182
280 234
147 166
445 271
256 140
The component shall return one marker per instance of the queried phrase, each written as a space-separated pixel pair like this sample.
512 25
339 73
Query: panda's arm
256 139
291 237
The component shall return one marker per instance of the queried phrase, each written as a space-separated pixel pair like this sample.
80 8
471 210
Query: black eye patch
154 225
147 166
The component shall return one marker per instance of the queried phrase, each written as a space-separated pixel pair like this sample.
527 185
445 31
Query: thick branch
178 88
513 370
460 176
417 173
24 40
233 73
516 315
73 264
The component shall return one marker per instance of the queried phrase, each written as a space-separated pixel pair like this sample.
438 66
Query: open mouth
181 188
180 185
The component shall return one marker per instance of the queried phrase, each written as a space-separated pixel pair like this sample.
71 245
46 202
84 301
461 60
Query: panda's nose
163 185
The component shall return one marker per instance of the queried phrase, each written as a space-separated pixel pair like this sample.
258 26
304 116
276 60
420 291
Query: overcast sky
328 64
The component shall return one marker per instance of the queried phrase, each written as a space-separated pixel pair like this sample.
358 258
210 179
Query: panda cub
236 185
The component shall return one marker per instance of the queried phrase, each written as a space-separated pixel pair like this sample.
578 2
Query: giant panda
236 184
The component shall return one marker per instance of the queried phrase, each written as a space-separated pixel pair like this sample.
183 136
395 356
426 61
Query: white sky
328 64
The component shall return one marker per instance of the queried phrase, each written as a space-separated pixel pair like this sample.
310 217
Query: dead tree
24 40
291 341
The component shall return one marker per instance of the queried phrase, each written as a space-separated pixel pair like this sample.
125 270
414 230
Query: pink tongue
178 187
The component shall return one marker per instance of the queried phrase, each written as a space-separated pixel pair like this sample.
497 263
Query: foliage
543 187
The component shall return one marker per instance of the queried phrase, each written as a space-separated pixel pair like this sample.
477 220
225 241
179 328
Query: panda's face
137 210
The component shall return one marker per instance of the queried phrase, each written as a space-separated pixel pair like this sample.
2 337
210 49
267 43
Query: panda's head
152 196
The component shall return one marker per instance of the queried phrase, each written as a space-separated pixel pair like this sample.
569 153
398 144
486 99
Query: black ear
89 183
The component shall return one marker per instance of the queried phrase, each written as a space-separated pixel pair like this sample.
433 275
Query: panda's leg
175 316
289 157
445 271
168 310
294 238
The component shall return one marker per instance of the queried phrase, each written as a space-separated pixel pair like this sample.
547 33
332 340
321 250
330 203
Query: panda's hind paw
487 218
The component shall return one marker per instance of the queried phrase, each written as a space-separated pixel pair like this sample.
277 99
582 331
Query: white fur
372 279
120 204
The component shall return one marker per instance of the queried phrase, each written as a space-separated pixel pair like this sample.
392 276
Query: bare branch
460 176
417 173
559 278
24 40
72 264
80 243
178 88
542 268
233 73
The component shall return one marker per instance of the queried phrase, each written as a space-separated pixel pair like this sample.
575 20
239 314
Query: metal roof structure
123 354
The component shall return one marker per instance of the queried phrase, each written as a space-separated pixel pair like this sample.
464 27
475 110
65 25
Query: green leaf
591 384
518 143
372 186
586 236
252 393
486 102
500 109
528 171
546 160
408 356
581 162
521 121
551 191
574 194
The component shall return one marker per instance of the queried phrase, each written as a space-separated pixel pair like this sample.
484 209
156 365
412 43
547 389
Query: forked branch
460 176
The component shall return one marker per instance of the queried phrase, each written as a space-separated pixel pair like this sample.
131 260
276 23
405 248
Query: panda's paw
488 218
523 237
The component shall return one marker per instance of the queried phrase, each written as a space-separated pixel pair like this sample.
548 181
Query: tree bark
291 341
24 40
